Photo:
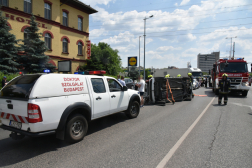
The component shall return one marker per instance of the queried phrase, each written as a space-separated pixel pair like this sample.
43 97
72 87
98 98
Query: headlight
245 84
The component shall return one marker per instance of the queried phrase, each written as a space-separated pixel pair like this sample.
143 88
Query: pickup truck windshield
234 67
20 87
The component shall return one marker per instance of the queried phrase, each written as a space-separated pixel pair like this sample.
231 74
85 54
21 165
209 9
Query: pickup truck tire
76 128
133 110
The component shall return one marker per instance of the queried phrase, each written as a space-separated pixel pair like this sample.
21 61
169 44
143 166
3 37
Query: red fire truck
237 71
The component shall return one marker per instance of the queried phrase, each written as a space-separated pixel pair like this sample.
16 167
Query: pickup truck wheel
133 110
76 128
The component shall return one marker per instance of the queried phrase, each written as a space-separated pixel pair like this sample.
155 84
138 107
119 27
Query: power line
180 30
194 22
190 33
169 19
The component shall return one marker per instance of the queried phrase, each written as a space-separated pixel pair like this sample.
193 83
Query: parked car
129 83
196 84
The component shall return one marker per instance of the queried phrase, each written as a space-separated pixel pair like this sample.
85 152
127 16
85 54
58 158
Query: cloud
184 2
166 48
95 2
122 30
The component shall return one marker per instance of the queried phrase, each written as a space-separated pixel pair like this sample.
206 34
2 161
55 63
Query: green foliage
133 72
205 73
9 77
8 48
103 57
147 73
34 60
250 74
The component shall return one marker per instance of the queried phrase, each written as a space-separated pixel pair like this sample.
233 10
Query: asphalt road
221 138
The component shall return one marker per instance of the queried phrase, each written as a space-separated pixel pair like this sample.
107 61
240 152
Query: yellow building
63 23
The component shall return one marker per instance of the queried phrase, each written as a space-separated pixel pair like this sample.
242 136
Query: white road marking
239 104
180 141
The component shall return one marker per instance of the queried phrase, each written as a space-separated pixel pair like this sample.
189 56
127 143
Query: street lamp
231 44
144 40
139 55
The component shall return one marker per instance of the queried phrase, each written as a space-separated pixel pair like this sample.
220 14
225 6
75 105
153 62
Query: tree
147 73
103 57
133 72
8 48
33 60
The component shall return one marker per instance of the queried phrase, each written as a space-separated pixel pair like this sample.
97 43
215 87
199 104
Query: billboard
132 61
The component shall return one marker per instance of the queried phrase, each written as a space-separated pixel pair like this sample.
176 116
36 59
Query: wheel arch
76 108
134 97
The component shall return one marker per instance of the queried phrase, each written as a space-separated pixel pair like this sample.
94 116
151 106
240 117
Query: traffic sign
132 61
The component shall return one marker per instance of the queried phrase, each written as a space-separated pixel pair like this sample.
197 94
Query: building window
65 45
65 19
4 2
28 6
47 11
48 41
26 34
80 23
80 45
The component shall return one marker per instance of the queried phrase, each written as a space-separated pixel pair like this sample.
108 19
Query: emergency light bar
46 71
100 72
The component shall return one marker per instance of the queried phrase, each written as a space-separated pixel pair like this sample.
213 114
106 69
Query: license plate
15 124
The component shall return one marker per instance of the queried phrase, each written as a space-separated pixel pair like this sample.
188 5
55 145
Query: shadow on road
209 93
250 113
13 152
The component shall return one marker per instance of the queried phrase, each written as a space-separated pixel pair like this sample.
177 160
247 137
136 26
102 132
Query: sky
178 31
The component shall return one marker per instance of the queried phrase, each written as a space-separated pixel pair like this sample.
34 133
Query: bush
9 77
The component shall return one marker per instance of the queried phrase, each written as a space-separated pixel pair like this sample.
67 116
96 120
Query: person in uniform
224 87
150 76
167 76
179 76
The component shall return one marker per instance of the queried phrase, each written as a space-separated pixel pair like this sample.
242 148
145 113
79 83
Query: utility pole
139 55
233 49
231 46
144 41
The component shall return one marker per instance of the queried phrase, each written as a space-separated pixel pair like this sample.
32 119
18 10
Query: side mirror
124 88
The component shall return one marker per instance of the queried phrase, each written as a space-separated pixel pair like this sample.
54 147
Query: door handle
113 96
98 98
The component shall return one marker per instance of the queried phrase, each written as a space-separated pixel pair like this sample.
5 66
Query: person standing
118 78
4 81
122 81
141 87
224 87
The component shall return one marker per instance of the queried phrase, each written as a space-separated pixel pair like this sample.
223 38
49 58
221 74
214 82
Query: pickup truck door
118 99
100 98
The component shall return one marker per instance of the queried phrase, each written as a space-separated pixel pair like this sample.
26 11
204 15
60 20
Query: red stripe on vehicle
21 119
2 114
8 115
14 117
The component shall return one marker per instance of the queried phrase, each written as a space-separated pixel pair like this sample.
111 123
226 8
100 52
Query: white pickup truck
62 104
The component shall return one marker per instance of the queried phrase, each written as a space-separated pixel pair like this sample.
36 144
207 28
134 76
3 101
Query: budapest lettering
72 84
22 20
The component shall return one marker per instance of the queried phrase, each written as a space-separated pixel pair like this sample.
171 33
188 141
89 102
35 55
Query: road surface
189 134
